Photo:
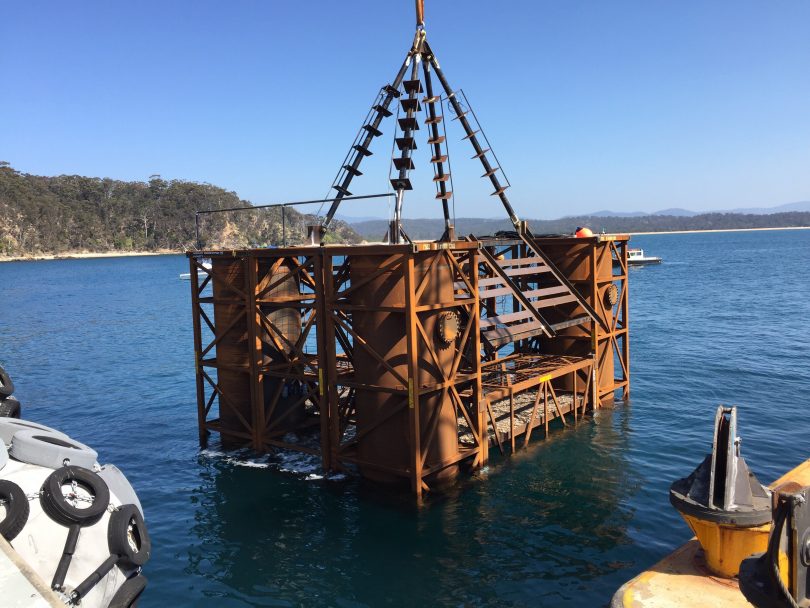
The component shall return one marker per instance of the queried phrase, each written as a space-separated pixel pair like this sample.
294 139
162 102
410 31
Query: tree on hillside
71 212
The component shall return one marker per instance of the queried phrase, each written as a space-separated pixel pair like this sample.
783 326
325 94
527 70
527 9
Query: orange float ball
583 232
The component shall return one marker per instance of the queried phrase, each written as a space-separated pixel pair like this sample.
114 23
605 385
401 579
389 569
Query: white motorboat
637 257
186 276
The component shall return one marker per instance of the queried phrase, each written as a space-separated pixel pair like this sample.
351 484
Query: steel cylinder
573 258
228 283
234 350
389 443
283 317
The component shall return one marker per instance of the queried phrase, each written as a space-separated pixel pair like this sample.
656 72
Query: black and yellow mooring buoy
723 502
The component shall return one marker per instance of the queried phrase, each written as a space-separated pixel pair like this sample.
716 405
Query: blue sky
589 105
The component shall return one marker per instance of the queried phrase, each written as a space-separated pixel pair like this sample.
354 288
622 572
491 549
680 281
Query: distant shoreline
80 255
721 230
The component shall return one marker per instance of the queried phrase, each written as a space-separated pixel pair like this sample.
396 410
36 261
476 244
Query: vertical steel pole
396 228
595 325
437 147
626 321
198 371
413 374
512 418
470 133
367 141
254 345
574 375
323 276
475 357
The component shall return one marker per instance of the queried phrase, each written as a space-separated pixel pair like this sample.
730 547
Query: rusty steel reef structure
410 360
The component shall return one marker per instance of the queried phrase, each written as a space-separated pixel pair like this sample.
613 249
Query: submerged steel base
313 375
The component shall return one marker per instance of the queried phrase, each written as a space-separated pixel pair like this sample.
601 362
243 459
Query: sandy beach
73 255
722 230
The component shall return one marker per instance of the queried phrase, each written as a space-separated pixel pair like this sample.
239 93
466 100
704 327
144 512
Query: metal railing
283 207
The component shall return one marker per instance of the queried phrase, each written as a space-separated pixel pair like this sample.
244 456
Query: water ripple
103 350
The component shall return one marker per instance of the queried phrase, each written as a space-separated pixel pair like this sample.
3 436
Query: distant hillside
53 215
432 228
799 206
608 213
675 211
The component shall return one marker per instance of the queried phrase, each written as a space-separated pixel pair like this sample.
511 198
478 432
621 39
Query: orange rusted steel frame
615 342
257 433
420 13
197 327
617 338
403 262
203 379
622 321
416 470
540 378
328 377
555 369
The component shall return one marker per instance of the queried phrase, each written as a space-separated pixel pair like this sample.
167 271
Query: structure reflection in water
275 540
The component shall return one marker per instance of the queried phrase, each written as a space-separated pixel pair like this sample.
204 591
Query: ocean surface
102 349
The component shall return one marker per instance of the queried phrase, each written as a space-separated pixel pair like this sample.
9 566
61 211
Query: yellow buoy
727 508
726 545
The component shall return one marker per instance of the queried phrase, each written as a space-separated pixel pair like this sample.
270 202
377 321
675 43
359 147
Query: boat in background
636 257
186 276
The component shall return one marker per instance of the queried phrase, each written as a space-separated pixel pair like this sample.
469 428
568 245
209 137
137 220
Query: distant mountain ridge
677 211
801 206
431 228
798 206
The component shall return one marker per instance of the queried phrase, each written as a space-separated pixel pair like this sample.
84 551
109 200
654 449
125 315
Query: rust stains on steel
406 362
409 360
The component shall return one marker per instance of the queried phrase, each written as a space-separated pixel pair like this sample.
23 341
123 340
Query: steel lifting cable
388 98
449 167
391 161
484 133
356 141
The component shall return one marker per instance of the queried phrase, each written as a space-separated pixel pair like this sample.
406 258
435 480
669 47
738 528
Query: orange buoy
583 232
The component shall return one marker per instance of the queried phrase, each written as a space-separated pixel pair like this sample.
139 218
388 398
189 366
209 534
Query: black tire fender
128 537
6 385
16 507
10 407
128 593
64 507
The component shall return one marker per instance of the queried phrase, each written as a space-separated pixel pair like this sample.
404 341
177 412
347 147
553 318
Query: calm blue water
102 349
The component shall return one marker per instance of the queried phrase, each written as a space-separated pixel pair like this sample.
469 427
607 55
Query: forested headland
71 213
